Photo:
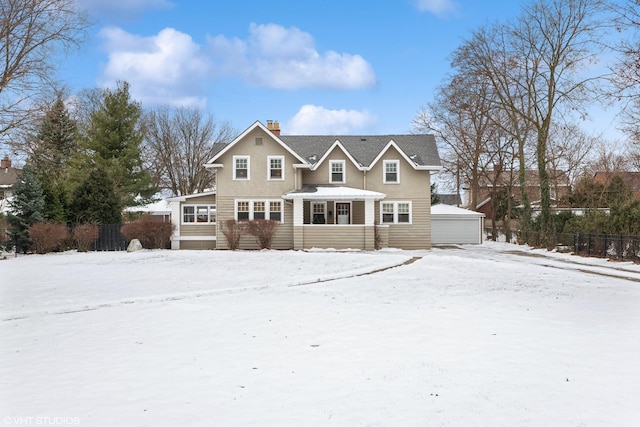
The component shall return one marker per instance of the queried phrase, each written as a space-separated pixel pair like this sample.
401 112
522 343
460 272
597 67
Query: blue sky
317 67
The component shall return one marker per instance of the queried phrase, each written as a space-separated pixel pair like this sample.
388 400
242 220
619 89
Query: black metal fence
110 238
613 247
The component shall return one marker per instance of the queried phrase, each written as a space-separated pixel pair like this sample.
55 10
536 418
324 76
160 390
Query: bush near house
263 230
152 233
85 235
47 236
233 231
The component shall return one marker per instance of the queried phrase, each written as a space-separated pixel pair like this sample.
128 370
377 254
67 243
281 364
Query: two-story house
342 192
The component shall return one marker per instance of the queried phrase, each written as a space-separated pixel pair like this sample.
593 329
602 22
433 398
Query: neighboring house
631 179
160 210
342 192
8 177
453 199
559 187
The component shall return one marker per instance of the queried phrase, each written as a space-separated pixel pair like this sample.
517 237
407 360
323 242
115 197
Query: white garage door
455 231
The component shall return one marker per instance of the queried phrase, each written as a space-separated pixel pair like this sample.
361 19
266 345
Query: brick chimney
5 163
274 127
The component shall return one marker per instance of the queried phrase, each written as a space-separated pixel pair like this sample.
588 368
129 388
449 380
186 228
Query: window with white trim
198 214
319 212
241 167
242 210
276 167
395 212
336 171
391 171
259 209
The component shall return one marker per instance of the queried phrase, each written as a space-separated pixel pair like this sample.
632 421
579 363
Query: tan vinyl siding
209 199
337 237
198 230
198 244
416 235
284 234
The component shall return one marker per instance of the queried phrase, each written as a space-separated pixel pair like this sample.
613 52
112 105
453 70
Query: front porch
336 217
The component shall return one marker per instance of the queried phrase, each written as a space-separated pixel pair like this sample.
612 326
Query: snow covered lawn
489 335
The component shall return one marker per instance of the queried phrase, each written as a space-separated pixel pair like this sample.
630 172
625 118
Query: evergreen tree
26 208
54 145
435 199
95 201
114 139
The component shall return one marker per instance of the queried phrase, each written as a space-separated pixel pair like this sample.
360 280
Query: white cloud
437 7
164 68
171 68
286 58
317 120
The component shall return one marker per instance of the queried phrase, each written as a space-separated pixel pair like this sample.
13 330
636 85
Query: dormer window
391 171
336 172
241 167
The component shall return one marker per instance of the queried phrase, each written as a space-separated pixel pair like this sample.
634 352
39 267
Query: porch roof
327 192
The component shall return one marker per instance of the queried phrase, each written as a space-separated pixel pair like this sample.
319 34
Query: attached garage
451 225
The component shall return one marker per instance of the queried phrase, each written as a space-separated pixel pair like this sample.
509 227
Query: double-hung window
275 211
198 214
276 167
247 210
242 209
391 171
259 210
241 167
395 212
336 171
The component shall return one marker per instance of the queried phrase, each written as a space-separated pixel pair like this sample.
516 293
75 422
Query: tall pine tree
114 140
54 145
26 208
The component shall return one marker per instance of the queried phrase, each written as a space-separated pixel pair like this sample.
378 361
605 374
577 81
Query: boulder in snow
134 245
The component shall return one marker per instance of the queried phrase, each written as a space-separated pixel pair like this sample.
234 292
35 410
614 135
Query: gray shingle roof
421 149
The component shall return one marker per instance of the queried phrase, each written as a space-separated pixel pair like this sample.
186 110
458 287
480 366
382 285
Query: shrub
263 230
85 235
47 236
233 231
152 233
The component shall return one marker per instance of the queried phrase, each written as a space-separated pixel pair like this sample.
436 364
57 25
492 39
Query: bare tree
32 33
537 68
488 55
178 143
569 150
626 71
558 39
459 117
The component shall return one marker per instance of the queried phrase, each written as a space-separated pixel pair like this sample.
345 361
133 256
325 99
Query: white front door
343 213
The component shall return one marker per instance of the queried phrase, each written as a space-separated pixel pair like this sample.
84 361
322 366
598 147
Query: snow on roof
158 208
320 192
448 210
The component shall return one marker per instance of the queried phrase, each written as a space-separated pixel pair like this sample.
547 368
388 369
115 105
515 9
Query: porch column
175 220
369 225
369 212
298 220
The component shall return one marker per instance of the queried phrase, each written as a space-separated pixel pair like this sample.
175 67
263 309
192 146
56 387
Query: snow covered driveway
490 335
